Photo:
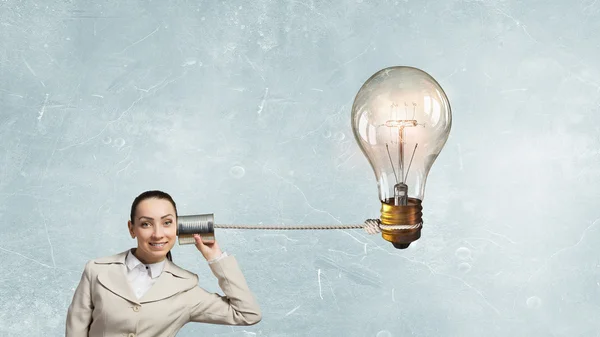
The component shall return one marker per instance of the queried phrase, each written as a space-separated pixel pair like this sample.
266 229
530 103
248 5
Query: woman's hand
209 250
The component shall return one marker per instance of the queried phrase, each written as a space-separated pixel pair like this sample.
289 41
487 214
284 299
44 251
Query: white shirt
141 276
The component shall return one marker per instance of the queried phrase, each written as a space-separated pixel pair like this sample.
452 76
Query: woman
142 292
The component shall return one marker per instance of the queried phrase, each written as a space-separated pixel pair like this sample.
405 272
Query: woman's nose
158 232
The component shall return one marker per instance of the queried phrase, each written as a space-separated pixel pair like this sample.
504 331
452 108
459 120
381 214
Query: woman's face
155 227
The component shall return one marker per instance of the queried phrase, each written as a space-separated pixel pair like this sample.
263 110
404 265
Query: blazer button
136 308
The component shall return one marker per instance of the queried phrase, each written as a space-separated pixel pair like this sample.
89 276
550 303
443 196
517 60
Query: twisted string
371 226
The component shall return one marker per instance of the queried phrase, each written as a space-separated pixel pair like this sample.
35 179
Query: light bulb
401 119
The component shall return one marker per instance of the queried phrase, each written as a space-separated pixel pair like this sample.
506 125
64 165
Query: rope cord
371 226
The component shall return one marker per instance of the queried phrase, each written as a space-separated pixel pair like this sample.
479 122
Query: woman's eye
145 224
168 222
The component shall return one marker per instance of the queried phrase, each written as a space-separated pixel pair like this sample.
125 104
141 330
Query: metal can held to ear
201 224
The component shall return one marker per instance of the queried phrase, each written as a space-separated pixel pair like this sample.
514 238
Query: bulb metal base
393 215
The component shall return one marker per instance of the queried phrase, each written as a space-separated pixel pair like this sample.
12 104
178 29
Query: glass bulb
401 119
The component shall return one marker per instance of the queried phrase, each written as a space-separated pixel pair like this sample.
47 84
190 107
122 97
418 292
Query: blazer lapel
171 281
114 277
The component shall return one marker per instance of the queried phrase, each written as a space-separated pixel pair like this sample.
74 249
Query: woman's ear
130 227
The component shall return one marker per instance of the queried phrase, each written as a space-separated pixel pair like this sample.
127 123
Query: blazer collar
172 281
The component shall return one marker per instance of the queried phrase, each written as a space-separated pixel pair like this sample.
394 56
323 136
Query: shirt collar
155 268
169 266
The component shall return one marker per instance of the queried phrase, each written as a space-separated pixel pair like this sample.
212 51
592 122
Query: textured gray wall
242 109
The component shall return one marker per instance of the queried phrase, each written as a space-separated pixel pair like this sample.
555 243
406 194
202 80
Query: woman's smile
158 245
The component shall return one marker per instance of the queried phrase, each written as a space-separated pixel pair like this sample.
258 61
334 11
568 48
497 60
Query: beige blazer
104 304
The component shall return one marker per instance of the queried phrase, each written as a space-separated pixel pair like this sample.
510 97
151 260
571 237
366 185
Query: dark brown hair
154 194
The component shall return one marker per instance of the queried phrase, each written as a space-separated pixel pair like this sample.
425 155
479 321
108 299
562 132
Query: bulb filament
401 189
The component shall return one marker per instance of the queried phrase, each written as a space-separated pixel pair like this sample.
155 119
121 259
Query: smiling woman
154 237
141 290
